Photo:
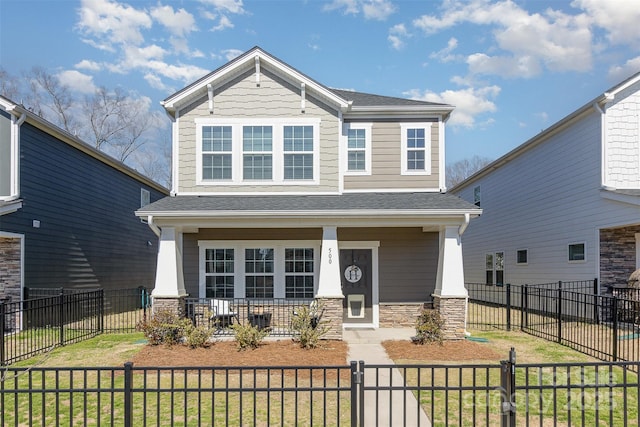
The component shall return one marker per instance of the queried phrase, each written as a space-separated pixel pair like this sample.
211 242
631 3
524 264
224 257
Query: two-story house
67 211
565 205
285 188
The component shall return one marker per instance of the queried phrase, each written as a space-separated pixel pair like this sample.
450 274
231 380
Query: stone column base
332 316
453 310
174 304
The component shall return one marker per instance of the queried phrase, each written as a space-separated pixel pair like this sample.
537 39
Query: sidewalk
365 345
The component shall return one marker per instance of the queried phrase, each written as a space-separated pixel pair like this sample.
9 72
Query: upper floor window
358 150
216 152
298 152
416 148
145 197
476 195
257 151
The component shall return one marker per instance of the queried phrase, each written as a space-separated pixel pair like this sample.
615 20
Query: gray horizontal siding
88 234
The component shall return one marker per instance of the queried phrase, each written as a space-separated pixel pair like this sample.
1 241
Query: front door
356 275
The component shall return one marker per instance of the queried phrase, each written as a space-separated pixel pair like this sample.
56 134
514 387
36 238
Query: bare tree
9 86
46 93
463 169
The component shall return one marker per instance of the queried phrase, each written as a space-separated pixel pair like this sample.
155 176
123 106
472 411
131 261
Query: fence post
128 395
559 311
3 311
596 294
508 387
356 385
101 311
61 315
508 285
614 329
524 304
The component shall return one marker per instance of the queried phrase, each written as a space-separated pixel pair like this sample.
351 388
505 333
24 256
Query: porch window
259 273
299 272
257 146
219 273
416 148
298 152
216 152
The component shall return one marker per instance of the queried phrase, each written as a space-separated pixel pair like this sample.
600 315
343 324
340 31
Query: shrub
163 327
196 336
308 327
429 327
248 336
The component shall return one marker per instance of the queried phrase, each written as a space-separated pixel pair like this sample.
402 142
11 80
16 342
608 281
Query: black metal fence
570 313
53 317
272 314
358 394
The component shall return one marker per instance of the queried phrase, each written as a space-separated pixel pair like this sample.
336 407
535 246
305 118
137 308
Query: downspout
464 226
152 226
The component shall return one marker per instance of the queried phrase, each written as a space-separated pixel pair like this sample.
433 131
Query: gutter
464 226
152 226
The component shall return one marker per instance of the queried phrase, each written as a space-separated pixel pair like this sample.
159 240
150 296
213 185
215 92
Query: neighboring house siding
386 162
88 235
623 140
543 200
274 98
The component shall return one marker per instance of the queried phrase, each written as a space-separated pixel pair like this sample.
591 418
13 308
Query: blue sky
511 68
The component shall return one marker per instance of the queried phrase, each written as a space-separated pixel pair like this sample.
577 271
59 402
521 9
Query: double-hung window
216 153
257 148
494 268
416 148
259 272
298 152
299 272
358 148
219 273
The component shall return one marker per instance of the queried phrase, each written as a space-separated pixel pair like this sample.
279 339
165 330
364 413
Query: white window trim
239 246
577 261
404 149
367 149
277 125
522 263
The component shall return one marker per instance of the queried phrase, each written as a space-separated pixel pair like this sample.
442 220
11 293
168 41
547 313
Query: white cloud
619 18
223 23
397 34
445 54
111 22
619 73
469 103
180 23
230 54
77 81
231 6
527 42
85 64
371 9
156 82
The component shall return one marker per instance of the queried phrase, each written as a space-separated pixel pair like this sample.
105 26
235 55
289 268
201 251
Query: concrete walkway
399 409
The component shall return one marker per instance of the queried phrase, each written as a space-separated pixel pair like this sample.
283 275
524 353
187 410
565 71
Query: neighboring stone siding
617 255
332 314
10 266
454 312
400 315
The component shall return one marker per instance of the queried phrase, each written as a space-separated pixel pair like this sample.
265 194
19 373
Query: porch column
329 293
450 295
169 291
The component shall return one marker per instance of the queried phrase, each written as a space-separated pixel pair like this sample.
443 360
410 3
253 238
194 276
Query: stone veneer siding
10 269
332 312
454 312
401 315
174 304
617 255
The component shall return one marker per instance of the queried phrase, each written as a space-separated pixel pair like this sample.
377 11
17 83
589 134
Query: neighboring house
67 211
285 188
564 205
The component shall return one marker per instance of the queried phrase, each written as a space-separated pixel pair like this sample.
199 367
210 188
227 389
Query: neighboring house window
299 272
577 252
494 268
257 151
259 273
257 146
298 152
416 148
219 273
145 197
522 256
358 148
216 153
476 196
